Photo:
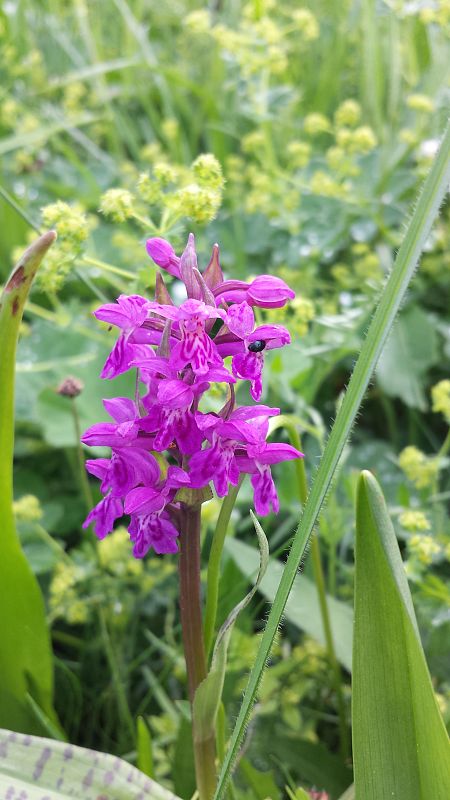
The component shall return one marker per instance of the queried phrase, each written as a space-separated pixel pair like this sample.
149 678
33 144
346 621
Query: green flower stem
146 222
419 227
319 580
213 576
85 486
192 630
103 265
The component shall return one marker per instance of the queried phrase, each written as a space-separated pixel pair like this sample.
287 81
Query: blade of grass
417 233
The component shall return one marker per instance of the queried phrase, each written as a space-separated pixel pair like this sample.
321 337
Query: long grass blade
394 291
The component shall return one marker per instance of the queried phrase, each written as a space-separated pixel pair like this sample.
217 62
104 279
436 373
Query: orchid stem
213 576
87 493
194 649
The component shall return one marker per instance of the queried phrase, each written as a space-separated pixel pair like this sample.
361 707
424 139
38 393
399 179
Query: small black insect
256 347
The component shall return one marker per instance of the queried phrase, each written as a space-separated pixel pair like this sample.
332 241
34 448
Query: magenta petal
144 500
240 320
269 291
129 312
121 409
273 452
175 394
265 492
273 336
152 531
98 467
104 515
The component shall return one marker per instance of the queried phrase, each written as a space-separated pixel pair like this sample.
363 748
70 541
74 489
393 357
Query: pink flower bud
163 254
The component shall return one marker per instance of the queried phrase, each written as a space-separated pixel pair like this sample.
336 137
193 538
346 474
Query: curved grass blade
394 291
25 655
400 745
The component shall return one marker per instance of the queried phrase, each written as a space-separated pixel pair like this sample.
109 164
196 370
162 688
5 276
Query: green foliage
26 665
400 745
409 354
427 207
209 694
302 608
176 117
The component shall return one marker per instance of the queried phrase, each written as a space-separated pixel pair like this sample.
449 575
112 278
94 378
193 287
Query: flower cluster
179 352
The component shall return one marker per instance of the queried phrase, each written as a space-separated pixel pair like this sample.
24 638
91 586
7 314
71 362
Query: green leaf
183 770
427 207
25 654
262 783
144 748
302 608
400 745
38 767
410 351
209 693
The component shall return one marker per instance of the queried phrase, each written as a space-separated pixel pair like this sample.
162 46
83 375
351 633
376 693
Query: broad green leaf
302 608
25 655
419 227
410 351
262 783
183 771
144 748
209 694
35 768
400 745
312 762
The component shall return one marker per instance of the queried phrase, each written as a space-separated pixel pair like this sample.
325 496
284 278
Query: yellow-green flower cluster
440 395
348 114
27 508
412 520
194 192
73 227
117 204
299 154
64 600
306 23
324 184
423 548
315 124
438 13
358 141
419 468
420 102
265 40
113 554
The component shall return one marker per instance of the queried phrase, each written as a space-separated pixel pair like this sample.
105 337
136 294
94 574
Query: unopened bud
70 387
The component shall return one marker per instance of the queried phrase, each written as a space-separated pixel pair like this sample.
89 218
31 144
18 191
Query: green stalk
427 207
213 576
194 650
319 580
87 493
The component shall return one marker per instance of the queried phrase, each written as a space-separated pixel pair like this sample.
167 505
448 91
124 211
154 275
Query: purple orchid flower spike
161 441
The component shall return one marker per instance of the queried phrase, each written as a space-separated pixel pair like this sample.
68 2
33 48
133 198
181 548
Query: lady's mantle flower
161 442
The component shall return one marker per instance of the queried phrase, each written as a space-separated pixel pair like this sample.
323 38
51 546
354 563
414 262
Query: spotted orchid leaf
33 768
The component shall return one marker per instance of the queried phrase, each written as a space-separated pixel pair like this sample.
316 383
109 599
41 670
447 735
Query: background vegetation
297 137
